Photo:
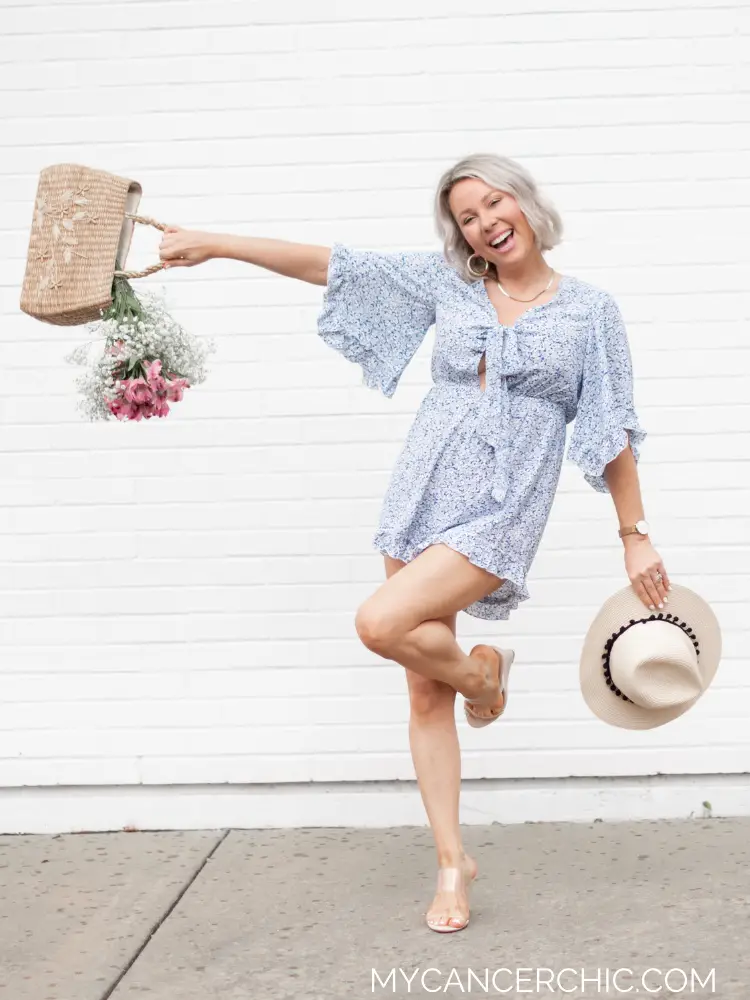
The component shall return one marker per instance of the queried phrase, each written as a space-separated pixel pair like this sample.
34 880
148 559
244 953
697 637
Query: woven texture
75 234
619 609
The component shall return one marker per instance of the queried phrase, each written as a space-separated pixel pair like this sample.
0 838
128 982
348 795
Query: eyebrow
484 198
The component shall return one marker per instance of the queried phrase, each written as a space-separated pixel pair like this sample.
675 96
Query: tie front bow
502 361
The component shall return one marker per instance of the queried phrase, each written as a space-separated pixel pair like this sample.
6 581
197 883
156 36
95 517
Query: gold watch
639 528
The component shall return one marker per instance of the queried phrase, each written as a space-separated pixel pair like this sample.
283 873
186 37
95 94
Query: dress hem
514 583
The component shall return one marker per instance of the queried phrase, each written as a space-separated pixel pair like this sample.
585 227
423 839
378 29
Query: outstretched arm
304 261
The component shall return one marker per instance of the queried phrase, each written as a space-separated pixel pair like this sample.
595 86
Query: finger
641 592
172 229
665 577
658 581
169 253
176 262
653 593
639 587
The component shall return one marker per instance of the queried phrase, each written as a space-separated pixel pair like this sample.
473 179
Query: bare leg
403 621
436 754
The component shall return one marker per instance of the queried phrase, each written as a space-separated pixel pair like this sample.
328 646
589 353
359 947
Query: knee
430 699
375 630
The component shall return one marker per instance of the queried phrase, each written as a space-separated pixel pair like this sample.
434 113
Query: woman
520 350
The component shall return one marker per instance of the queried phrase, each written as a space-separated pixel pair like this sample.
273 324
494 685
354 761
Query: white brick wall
178 597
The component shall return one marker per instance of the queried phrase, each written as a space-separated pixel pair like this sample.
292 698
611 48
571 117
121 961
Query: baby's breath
142 330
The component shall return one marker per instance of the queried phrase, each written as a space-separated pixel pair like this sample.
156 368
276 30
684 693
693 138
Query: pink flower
176 388
156 381
143 398
137 390
121 408
158 386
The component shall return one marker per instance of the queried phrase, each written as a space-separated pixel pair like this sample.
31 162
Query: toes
482 711
487 711
447 917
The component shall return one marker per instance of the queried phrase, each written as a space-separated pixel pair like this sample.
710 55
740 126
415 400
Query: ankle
451 859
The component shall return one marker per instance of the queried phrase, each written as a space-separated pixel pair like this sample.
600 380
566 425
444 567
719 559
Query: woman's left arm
642 562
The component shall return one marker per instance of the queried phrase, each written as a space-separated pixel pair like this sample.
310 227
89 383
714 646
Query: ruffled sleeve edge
593 461
377 372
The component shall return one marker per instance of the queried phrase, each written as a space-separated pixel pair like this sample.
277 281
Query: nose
489 223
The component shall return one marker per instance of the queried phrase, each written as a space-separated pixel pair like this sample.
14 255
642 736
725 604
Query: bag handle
146 221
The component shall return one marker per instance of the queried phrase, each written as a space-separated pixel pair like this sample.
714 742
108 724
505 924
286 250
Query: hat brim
618 610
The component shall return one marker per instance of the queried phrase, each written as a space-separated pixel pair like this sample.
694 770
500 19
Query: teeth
501 238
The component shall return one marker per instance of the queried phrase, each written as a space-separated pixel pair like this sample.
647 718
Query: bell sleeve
606 419
377 309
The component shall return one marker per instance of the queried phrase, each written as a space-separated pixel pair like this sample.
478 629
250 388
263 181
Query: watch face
642 527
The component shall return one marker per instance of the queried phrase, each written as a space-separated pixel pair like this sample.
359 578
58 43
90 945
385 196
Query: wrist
634 540
638 530
214 245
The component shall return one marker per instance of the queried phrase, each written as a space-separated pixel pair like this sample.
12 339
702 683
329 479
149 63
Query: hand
644 565
184 247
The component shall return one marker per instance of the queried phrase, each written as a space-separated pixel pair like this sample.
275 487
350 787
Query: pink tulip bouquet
147 363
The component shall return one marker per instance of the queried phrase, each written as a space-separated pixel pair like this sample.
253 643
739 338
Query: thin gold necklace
508 295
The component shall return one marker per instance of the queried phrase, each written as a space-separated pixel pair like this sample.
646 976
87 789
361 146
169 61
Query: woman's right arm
304 261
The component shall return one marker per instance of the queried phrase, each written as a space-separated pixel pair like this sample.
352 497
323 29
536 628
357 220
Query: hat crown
655 665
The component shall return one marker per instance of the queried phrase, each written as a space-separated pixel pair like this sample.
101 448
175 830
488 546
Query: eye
493 202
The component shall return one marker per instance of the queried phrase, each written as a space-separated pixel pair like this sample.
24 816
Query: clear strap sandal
449 880
507 656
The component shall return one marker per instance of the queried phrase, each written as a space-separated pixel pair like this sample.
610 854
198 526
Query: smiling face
483 214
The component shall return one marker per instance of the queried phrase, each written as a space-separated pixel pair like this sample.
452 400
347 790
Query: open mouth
506 243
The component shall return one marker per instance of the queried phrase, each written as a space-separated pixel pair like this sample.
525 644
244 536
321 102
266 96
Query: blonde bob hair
504 174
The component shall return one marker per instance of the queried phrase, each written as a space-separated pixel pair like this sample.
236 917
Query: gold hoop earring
478 274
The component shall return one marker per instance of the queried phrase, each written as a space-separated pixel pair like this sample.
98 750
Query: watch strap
630 529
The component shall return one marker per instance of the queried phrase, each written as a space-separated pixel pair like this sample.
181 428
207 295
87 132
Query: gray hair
506 175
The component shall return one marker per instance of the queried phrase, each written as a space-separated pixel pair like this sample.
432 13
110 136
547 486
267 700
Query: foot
450 907
491 703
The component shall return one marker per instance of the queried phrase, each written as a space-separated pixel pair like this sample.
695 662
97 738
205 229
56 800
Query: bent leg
403 621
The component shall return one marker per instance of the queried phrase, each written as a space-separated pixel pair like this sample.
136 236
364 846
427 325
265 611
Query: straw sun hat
640 669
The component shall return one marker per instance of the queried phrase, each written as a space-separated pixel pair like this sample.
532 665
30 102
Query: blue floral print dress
479 468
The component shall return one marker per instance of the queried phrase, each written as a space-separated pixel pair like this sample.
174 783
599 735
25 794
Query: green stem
125 304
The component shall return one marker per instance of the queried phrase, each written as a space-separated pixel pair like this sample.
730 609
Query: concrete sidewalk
310 913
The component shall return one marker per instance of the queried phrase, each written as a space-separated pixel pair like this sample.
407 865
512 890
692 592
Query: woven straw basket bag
80 235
